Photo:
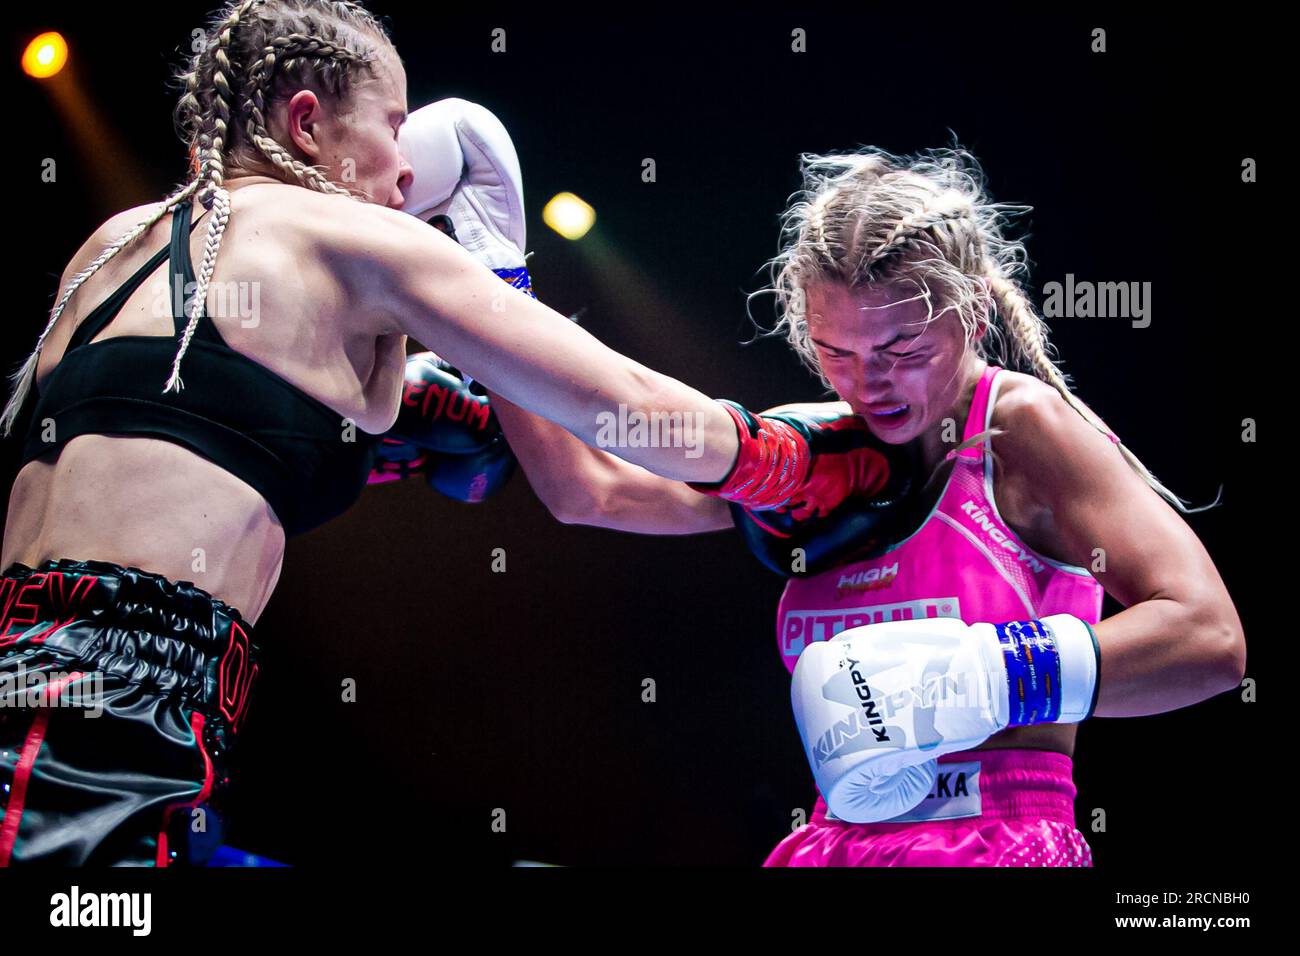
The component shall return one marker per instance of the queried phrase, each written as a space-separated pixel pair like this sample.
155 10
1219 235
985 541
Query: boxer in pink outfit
898 286
988 808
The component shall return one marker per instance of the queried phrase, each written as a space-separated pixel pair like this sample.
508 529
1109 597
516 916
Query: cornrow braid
289 51
212 194
817 220
216 229
929 217
212 133
278 55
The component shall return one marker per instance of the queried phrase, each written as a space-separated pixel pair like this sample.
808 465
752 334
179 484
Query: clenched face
898 372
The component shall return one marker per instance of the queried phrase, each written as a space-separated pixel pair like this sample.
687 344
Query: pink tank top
963 562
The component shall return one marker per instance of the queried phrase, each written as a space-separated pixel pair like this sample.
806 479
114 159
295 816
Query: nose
405 176
873 382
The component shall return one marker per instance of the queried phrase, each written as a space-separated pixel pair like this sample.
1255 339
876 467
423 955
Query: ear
302 116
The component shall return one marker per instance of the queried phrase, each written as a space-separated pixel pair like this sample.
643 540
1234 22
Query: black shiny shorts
121 694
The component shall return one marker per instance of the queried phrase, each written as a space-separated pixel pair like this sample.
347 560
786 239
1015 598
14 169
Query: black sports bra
302 456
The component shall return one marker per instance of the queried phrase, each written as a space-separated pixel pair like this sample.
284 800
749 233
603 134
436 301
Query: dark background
522 690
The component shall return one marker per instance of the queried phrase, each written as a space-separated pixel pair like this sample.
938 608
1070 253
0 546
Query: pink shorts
988 808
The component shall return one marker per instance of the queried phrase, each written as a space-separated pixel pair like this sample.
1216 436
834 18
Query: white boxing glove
465 167
875 797
428 141
877 704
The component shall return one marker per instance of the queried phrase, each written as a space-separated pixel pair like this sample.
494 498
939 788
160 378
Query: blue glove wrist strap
519 278
1033 672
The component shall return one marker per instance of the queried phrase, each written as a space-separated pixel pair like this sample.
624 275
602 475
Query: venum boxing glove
445 431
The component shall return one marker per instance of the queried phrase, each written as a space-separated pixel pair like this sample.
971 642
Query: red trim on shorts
196 723
23 771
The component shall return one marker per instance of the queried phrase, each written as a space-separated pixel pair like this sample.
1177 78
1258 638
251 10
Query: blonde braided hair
875 217
255 52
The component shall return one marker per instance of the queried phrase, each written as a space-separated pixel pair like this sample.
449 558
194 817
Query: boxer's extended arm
467 175
584 485
426 286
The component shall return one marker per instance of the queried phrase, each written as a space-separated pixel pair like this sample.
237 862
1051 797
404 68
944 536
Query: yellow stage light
45 56
569 216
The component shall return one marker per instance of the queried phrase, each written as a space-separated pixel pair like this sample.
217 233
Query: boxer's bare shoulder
369 252
1030 413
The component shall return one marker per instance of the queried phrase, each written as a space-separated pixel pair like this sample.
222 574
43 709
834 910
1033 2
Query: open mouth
890 417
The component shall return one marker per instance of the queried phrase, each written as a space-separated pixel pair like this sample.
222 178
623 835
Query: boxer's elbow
595 511
574 509
1221 647
595 501
573 499
1228 657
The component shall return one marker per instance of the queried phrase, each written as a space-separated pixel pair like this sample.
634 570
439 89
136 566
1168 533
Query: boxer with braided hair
939 673
923 222
181 445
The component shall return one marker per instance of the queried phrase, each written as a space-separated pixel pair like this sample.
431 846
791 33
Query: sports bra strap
977 417
107 310
184 274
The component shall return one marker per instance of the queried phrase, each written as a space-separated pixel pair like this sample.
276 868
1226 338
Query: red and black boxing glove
816 489
802 462
861 527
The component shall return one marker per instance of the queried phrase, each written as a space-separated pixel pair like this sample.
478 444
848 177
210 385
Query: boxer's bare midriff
151 504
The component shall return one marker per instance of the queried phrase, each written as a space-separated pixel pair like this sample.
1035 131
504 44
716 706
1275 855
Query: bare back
153 504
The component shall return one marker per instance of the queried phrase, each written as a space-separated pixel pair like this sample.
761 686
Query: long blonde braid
212 194
292 50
